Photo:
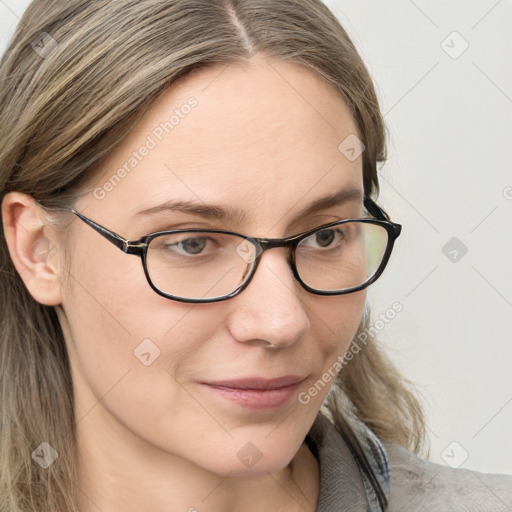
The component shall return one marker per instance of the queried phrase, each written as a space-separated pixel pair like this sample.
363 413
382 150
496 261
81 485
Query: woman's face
262 141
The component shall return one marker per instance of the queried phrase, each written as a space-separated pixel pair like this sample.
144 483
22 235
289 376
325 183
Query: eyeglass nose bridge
264 244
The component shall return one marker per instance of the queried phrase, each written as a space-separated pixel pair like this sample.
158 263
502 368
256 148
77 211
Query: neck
123 472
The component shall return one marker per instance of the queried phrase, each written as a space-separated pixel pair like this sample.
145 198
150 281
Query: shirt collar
345 481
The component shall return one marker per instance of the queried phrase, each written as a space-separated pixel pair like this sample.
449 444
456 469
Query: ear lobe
33 246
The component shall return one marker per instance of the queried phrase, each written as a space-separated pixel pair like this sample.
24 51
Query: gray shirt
410 483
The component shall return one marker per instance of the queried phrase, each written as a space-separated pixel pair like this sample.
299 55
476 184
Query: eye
324 238
191 245
186 245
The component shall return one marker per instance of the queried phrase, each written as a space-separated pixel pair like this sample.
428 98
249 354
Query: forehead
263 138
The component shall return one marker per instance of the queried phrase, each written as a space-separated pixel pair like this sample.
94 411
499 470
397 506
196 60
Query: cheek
335 326
129 351
117 327
337 323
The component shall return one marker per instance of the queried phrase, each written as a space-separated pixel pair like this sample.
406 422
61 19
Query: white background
448 175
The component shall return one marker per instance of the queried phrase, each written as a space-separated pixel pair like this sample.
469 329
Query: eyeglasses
210 265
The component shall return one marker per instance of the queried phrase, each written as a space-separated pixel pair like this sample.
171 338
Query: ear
33 245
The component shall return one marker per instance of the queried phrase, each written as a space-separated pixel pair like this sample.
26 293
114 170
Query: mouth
256 392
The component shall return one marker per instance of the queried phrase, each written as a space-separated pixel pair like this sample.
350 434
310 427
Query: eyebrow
227 213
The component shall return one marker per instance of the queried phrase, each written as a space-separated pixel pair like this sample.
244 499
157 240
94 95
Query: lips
258 383
256 392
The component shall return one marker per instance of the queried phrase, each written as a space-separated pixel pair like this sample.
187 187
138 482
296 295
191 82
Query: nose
270 311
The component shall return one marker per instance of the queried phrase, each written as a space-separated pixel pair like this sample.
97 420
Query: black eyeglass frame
140 247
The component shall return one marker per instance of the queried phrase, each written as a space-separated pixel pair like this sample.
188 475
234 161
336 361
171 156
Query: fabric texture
344 484
410 483
418 485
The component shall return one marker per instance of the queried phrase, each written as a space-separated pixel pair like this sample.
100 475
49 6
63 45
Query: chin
257 458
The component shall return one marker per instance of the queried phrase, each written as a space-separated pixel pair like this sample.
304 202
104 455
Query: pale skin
150 437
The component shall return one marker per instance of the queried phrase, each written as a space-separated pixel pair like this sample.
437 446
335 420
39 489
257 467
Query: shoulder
417 485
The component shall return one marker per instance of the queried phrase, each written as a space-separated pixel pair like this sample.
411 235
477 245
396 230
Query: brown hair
74 77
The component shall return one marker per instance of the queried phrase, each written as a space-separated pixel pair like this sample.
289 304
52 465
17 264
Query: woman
231 147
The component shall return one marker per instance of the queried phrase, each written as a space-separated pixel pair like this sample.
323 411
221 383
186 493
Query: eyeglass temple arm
120 242
374 209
